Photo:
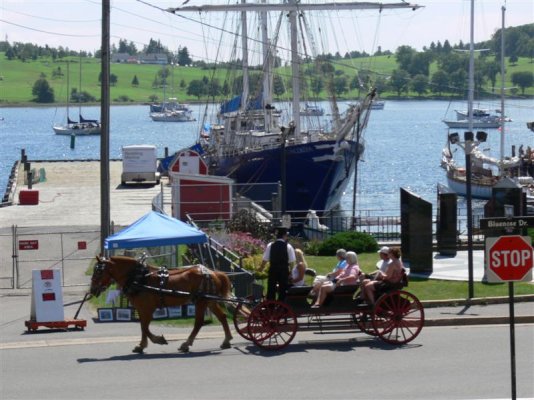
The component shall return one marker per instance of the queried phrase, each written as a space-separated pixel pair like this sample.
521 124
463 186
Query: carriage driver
280 255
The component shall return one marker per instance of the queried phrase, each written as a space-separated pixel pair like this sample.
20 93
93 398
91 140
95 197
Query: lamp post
469 143
468 137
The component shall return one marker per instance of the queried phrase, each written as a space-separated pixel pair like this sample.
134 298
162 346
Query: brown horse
147 290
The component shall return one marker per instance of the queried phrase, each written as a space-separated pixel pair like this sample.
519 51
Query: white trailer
139 164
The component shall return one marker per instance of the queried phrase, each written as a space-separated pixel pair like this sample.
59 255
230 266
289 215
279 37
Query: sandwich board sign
47 296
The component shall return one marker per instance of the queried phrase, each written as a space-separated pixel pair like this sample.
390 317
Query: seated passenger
384 281
297 273
320 279
349 276
382 265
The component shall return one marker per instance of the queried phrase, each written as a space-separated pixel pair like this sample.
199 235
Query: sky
75 24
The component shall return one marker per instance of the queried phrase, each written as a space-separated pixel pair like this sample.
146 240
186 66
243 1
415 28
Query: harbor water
403 143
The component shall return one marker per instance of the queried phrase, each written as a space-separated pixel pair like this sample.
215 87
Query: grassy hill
17 78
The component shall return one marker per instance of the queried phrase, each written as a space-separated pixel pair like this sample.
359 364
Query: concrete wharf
70 196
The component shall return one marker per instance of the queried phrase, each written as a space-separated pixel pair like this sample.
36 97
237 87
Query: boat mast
80 91
244 45
295 68
471 82
68 88
267 71
502 92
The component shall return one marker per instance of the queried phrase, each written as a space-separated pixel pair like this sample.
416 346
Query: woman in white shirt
297 273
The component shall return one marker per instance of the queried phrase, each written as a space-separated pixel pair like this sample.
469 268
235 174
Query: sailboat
170 110
486 171
83 127
252 144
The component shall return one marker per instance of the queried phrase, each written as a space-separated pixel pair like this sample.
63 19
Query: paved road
442 363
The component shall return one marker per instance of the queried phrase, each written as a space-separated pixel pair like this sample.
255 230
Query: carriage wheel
398 317
272 325
241 314
365 323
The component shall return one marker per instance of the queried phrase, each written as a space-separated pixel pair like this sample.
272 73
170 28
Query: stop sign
509 258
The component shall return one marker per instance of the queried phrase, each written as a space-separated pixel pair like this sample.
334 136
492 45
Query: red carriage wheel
272 325
365 323
398 317
241 314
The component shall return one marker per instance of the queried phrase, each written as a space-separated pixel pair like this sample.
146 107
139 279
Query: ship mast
292 8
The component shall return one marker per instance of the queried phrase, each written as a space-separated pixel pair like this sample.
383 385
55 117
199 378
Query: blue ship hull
315 177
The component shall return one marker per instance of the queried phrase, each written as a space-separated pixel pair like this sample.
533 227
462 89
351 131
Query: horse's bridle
98 271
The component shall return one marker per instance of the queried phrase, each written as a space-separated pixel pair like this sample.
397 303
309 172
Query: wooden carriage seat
342 296
297 297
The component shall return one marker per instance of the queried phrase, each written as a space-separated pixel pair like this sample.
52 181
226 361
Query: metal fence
40 248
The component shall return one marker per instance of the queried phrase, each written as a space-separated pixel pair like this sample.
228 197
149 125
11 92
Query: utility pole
104 133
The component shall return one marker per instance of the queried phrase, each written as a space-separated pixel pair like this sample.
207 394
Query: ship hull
316 177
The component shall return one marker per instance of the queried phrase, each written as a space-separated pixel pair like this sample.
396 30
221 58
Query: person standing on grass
281 256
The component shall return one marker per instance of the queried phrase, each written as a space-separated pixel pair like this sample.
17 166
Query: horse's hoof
138 350
226 345
184 348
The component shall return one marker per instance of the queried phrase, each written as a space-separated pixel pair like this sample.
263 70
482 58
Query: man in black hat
280 255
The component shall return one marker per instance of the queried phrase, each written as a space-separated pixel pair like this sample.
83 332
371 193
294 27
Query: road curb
477 301
520 319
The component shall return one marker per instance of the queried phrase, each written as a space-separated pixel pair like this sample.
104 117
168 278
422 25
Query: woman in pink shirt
349 276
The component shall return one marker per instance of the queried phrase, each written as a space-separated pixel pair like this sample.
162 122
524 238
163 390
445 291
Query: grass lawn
424 289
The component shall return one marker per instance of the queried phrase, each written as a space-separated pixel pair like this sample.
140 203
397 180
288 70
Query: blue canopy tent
155 229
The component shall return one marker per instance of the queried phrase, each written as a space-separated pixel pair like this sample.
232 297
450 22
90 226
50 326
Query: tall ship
257 142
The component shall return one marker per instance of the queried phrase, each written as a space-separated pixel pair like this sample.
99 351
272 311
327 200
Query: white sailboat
250 143
83 127
486 171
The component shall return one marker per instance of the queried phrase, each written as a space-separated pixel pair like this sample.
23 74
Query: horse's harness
138 281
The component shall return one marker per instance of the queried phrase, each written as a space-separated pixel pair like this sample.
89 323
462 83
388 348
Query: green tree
523 79
135 81
404 55
196 88
183 57
340 84
439 82
316 85
278 85
458 81
490 70
419 84
400 80
113 79
42 91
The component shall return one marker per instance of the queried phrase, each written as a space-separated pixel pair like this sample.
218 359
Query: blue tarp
155 229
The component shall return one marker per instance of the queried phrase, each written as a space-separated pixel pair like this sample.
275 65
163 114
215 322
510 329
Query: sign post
509 259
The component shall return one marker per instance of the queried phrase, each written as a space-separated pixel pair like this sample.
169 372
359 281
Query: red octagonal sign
509 258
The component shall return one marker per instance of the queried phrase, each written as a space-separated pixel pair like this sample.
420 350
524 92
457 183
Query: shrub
351 241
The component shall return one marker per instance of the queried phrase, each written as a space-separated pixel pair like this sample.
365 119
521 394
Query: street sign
506 223
509 258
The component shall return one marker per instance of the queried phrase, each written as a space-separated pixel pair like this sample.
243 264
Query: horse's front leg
200 309
144 319
221 316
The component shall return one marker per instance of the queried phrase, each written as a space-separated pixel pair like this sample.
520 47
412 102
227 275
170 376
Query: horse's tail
226 285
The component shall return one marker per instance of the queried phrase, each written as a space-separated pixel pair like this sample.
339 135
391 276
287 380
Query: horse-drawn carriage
397 317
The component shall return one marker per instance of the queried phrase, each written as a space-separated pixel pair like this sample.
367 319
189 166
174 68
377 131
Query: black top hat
280 231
